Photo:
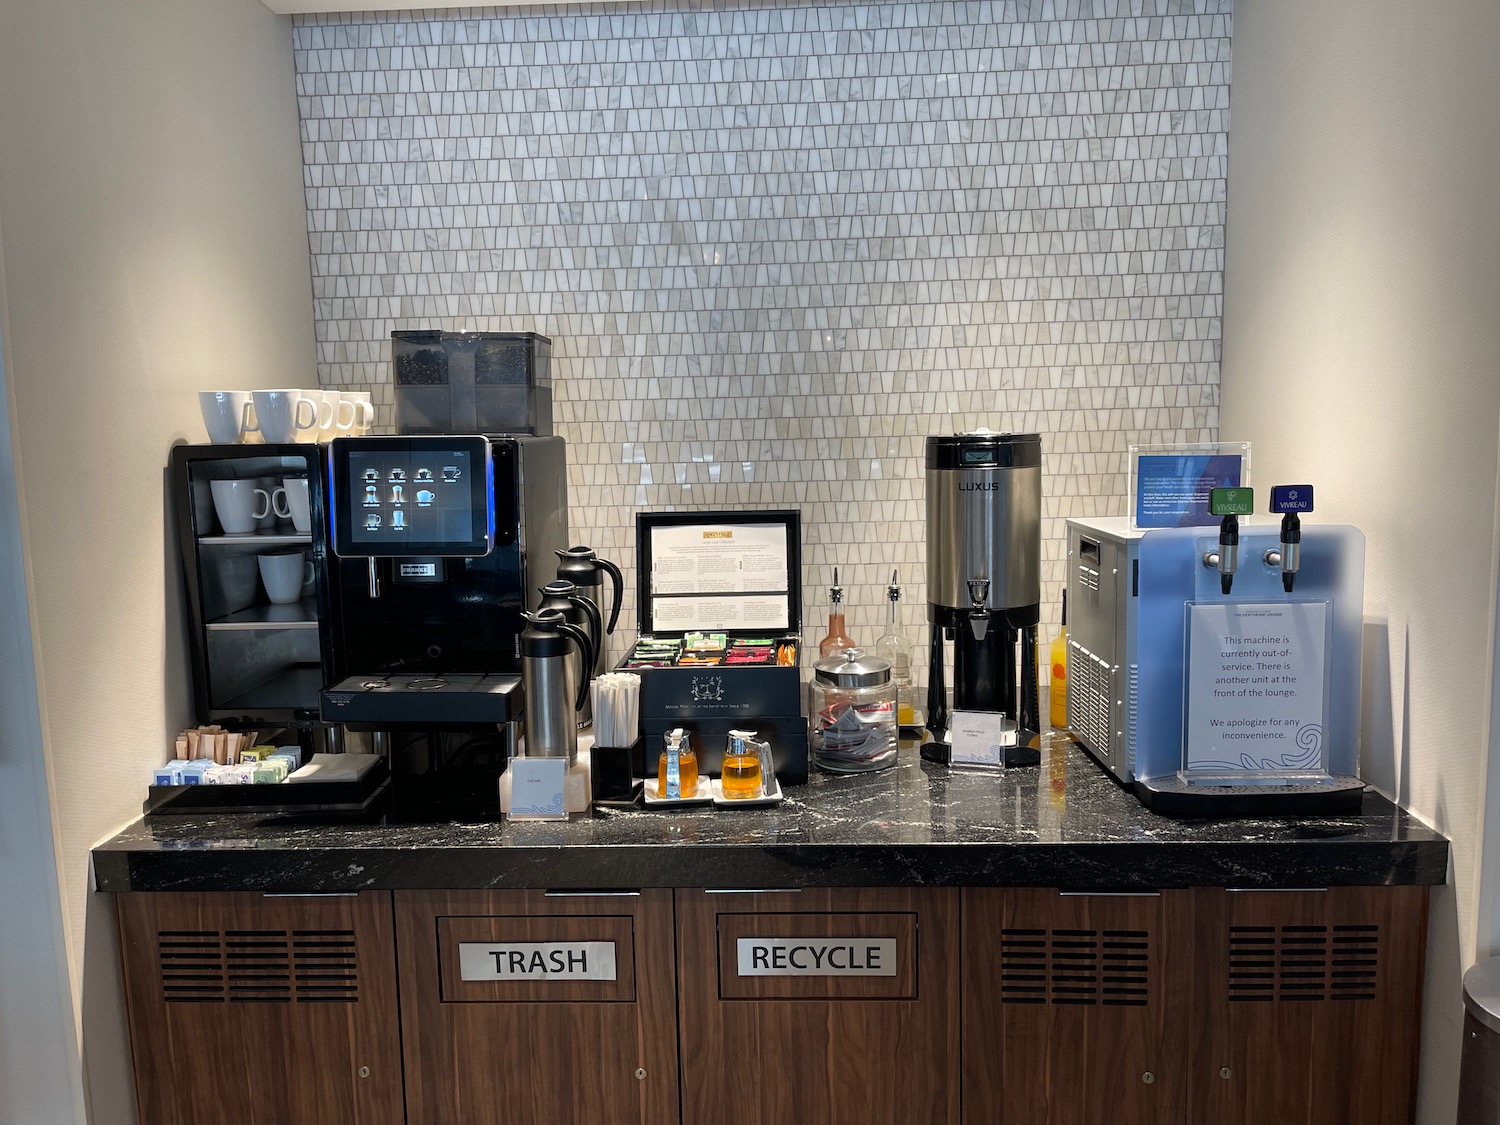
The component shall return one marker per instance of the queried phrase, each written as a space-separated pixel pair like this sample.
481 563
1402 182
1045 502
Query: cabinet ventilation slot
1091 687
1298 963
1107 967
258 966
1088 577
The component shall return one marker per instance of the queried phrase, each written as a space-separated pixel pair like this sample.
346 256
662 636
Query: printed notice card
1171 490
1255 687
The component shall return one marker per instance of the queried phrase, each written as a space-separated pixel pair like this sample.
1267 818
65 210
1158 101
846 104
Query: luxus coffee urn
984 503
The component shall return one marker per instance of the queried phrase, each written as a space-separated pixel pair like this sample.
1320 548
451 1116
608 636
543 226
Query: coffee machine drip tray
425 699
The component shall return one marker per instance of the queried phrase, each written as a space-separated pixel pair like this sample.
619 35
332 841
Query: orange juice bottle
1059 660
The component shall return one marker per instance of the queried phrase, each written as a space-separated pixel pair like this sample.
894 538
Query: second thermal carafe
984 502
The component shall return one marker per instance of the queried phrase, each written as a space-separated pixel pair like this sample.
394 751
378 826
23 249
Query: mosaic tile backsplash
776 245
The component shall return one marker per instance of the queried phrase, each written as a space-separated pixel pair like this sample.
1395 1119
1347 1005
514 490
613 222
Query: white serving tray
702 797
774 797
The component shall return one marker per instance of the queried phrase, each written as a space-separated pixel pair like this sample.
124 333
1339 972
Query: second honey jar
746 766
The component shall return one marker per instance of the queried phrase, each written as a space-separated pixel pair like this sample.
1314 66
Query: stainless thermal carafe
984 506
586 570
554 693
580 610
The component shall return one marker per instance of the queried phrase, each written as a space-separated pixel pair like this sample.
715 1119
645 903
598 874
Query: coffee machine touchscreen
408 496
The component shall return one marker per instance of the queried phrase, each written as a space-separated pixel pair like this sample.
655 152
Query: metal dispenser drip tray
424 699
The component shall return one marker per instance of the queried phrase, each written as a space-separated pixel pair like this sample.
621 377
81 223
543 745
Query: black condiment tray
294 797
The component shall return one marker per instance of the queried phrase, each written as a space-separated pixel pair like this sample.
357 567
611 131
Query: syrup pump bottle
838 638
894 648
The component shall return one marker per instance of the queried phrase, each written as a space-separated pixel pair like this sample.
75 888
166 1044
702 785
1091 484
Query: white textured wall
39 1084
777 244
1362 353
154 245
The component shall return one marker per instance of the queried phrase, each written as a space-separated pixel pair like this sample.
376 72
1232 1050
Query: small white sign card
1255 688
979 738
537 788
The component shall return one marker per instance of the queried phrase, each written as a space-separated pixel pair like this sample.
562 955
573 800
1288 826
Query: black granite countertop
1064 824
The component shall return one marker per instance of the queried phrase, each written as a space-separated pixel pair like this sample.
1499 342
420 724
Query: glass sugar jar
854 713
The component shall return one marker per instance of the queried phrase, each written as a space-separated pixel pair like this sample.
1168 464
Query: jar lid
852 669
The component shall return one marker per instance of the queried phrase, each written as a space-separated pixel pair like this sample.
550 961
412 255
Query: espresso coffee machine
439 544
984 500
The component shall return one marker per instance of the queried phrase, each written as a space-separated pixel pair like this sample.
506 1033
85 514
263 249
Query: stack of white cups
285 415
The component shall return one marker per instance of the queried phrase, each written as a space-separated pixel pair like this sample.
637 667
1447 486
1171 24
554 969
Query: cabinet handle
1276 890
591 894
310 894
1109 894
752 890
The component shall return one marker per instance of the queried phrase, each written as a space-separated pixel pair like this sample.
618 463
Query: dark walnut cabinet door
246 1009
1075 1007
818 1007
1307 1006
525 1008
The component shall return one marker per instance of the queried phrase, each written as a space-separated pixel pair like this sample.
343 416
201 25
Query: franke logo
978 486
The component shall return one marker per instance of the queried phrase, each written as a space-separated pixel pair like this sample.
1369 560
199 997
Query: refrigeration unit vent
1057 966
258 966
1088 577
1091 684
1299 963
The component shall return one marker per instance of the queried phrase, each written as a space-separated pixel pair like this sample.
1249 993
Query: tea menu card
720 576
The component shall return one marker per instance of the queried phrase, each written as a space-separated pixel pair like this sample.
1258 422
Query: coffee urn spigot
979 614
1290 500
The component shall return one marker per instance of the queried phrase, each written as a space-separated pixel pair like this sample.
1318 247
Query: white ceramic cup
364 411
239 504
276 509
298 508
339 419
226 415
284 573
285 415
323 415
